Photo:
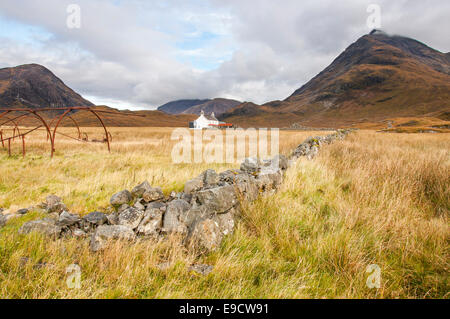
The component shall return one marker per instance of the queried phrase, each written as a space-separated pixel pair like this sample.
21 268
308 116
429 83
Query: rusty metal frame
51 133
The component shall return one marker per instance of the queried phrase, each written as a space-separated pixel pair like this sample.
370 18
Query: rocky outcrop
201 216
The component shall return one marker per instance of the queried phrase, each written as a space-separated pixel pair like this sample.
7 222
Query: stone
122 208
282 162
201 269
131 217
174 218
45 226
229 176
210 178
313 152
251 165
120 198
22 211
138 205
158 205
218 199
151 223
193 185
139 190
78 233
269 179
105 233
2 220
96 218
54 204
247 187
226 222
153 194
205 236
68 219
113 218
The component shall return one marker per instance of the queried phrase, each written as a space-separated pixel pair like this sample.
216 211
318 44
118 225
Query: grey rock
68 219
78 233
138 205
280 161
2 220
122 208
229 176
139 190
269 179
158 205
113 218
218 199
247 187
45 226
175 217
22 211
226 222
151 223
105 233
205 236
54 204
153 194
201 269
251 165
193 185
131 217
210 178
120 198
95 218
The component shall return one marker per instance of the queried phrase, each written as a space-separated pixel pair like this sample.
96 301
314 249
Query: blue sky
140 54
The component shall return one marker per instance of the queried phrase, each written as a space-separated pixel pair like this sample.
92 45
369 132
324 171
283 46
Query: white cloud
145 53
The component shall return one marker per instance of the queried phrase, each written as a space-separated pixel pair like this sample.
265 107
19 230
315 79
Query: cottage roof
210 117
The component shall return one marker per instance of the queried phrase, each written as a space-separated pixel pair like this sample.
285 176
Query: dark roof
210 117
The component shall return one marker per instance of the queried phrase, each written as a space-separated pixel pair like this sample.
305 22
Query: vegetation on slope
370 199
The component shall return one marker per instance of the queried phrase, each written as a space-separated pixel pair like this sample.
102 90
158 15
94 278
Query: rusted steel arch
16 125
35 114
74 122
104 127
107 134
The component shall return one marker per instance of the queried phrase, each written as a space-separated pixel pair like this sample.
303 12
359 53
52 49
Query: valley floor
373 198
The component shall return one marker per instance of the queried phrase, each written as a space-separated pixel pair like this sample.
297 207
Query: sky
141 54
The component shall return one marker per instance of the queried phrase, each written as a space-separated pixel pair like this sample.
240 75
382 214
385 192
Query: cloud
145 53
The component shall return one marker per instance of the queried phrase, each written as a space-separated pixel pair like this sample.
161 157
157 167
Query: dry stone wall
202 215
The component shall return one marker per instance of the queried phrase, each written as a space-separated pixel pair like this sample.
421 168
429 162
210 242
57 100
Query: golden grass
371 199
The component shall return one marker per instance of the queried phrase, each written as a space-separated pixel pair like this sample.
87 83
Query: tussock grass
370 199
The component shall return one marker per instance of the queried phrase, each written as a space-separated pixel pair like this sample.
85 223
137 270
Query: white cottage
205 121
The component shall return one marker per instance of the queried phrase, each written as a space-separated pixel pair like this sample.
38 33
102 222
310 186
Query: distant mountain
179 106
218 106
34 86
377 77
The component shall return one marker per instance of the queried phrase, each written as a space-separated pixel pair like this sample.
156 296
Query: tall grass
370 199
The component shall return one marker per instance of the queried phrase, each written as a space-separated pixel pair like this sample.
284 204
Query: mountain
179 106
34 86
377 77
218 106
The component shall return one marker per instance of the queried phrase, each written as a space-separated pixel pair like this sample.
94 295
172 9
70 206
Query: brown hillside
376 78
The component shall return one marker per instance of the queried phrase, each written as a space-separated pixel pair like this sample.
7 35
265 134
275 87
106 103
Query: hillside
376 78
34 86
218 106
179 106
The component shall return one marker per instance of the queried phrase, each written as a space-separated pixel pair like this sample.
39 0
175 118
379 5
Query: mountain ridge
376 77
35 86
